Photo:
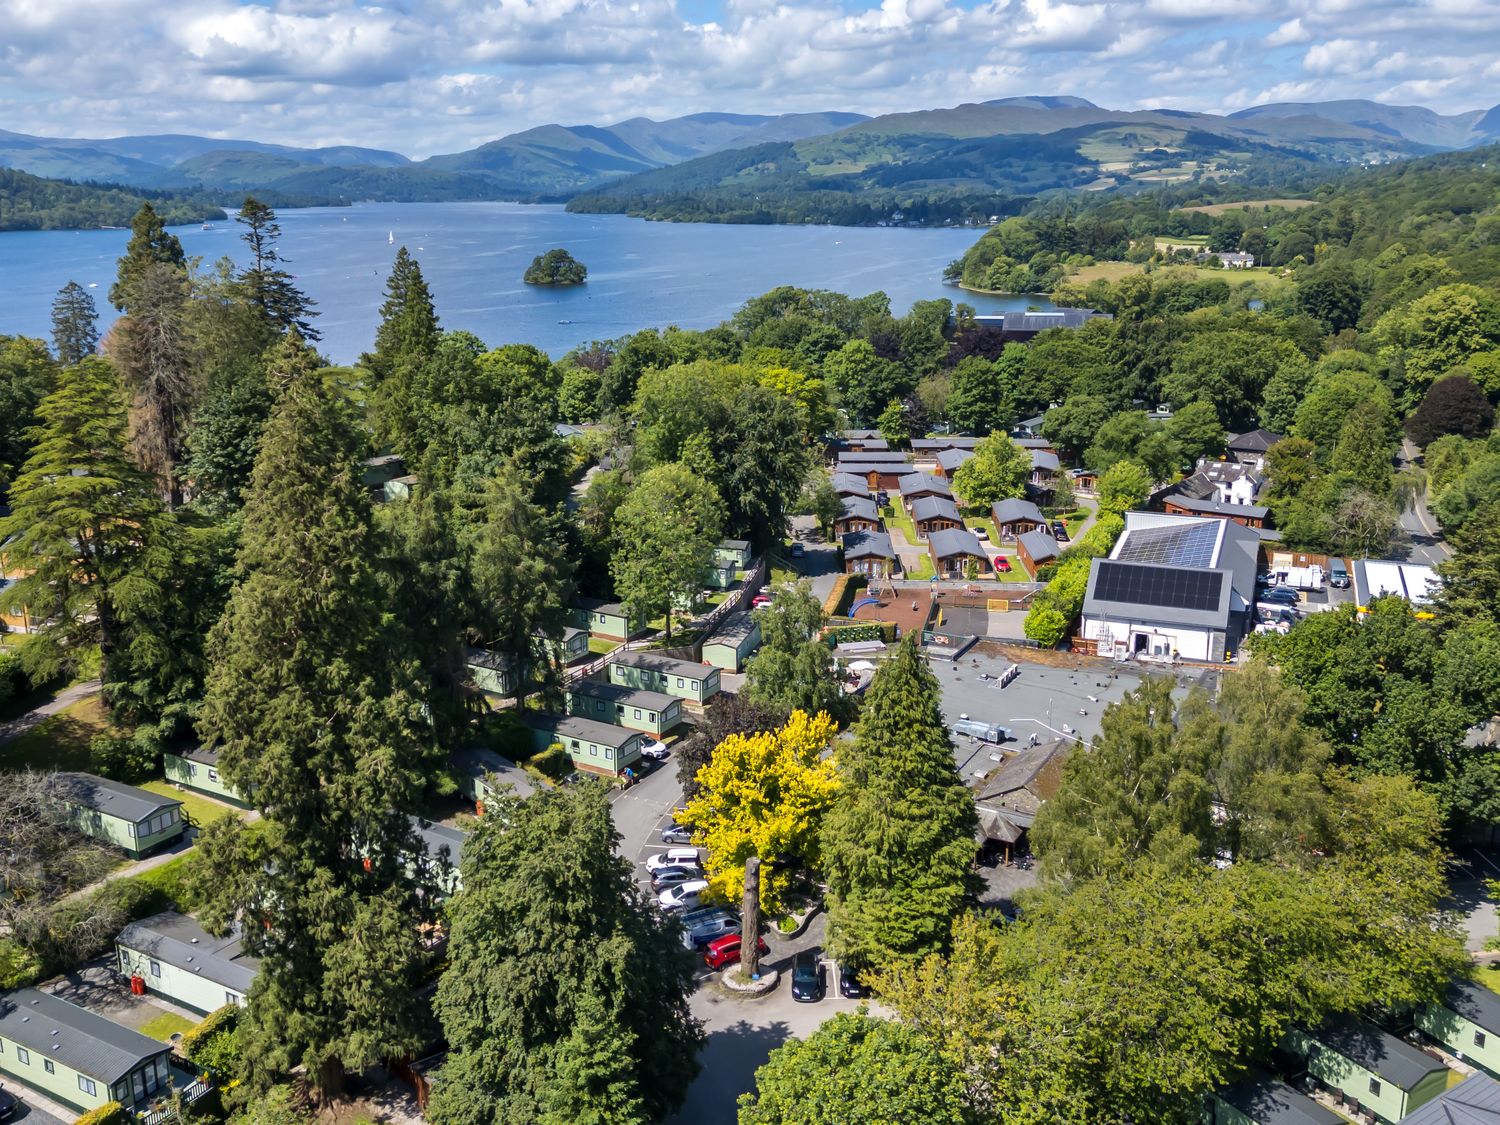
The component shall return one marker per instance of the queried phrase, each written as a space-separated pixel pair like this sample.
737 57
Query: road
64 699
1417 522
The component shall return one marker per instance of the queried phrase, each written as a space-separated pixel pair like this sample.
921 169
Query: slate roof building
1474 1101
949 460
178 959
869 553
931 514
952 550
1014 517
1036 548
857 513
1250 448
916 485
1370 1069
1008 800
1173 587
1259 1099
850 484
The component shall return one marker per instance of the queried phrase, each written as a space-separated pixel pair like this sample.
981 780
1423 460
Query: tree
151 244
152 346
1280 399
819 500
27 374
406 338
1365 523
522 584
555 267
1438 331
793 668
565 999
863 380
809 393
226 433
1453 405
764 795
1332 295
1195 432
997 471
85 532
75 324
666 531
1228 369
311 702
1363 451
725 715
1072 425
898 846
268 287
1131 436
892 424
980 400
1124 486
1471 575
887 1069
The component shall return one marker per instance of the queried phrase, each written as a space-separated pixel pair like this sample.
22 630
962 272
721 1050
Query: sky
429 76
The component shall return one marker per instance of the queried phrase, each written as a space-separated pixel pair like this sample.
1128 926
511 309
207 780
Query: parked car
671 876
797 551
850 986
1002 564
8 1104
1338 574
676 834
760 600
1279 595
683 896
673 857
691 918
807 977
654 749
726 950
711 930
1060 531
980 534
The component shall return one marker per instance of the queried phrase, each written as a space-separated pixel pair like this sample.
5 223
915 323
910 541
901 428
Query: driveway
1417 522
820 561
18 726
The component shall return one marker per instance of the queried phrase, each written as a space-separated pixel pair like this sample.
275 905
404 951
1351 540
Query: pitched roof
1252 441
873 457
1268 1101
951 459
850 483
111 798
1377 1051
1045 459
868 544
937 445
734 544
1218 507
1021 770
1040 544
177 940
658 662
1012 509
436 838
1033 442
1474 1101
1475 1003
860 508
935 508
735 628
919 484
599 605
955 541
585 730
76 1037
477 762
620 693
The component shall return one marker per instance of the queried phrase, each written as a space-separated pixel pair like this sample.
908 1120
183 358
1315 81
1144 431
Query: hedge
841 597
864 631
552 762
110 1113
226 1018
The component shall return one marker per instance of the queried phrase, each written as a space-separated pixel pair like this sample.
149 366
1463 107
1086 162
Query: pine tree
553 953
150 244
311 700
270 288
85 529
898 845
408 332
75 327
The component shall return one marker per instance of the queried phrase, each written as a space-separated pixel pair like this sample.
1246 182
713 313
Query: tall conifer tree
75 324
406 338
898 845
270 288
319 723
153 347
150 244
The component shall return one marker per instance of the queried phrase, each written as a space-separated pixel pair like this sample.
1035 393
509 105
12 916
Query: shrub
226 1018
82 928
110 1113
552 762
12 676
279 1106
214 1044
19 966
123 759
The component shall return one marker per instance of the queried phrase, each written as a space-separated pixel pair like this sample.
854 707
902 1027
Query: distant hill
1409 122
30 202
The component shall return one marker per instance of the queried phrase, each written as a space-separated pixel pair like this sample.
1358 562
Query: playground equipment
857 606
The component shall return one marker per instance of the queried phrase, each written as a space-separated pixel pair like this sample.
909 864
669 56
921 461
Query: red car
726 950
760 600
1002 564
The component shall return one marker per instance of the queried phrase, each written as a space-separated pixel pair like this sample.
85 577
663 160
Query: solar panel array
1159 586
1189 545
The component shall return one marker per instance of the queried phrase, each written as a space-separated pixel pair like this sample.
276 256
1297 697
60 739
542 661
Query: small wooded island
556 267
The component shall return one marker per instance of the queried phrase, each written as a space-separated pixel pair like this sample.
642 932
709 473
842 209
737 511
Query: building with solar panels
1174 587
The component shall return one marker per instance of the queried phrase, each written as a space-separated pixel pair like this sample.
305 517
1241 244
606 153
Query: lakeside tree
665 533
86 533
405 339
311 700
555 267
565 999
898 846
997 471
75 324
151 244
270 289
793 669
27 374
764 795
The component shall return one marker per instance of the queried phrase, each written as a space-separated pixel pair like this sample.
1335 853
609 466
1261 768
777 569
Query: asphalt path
1417 522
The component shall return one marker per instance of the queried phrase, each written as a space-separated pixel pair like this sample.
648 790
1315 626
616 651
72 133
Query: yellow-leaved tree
764 795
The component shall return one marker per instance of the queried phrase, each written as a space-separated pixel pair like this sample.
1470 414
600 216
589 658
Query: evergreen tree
899 844
555 955
270 288
85 529
27 374
75 324
150 244
793 668
1471 576
408 331
313 704
226 433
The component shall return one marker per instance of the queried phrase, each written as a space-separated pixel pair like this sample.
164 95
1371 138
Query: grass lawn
1114 271
200 810
896 519
923 570
1072 520
166 1025
58 742
1250 205
599 646
780 574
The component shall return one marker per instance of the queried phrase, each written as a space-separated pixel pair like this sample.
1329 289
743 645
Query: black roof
1475 1003
112 798
180 942
1381 1053
1268 1101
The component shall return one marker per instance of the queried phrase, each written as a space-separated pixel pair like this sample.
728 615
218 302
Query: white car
673 857
653 749
683 896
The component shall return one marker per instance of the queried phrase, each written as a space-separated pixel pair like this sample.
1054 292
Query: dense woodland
31 203
187 513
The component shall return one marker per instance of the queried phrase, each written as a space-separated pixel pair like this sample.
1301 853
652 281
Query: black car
1060 531
1279 595
671 876
676 834
8 1105
807 978
850 986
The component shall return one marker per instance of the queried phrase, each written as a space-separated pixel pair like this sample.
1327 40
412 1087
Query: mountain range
999 148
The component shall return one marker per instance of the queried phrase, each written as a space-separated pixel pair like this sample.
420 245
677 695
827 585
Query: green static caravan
122 815
198 769
75 1056
574 643
595 747
608 621
180 961
733 642
1466 1022
479 771
442 851
731 558
1474 1101
651 671
1259 1099
651 712
490 671
1373 1071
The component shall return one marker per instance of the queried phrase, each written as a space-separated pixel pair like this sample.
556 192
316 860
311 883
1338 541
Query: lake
641 274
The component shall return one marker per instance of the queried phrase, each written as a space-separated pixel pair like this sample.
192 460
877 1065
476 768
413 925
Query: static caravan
479 771
443 850
1466 1021
1370 1070
198 769
490 671
733 642
75 1056
131 819
652 671
1259 1099
595 747
177 959
606 620
650 712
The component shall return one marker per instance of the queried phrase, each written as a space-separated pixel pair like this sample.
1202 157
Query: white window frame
23 1056
87 1086
156 969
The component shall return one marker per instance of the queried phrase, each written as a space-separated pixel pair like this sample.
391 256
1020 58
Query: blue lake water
641 274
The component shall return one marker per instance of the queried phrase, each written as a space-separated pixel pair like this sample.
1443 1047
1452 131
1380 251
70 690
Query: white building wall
1189 644
177 985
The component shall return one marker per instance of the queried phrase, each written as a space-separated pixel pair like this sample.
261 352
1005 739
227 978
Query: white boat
391 239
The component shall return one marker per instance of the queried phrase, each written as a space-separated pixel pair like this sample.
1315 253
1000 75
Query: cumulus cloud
427 76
